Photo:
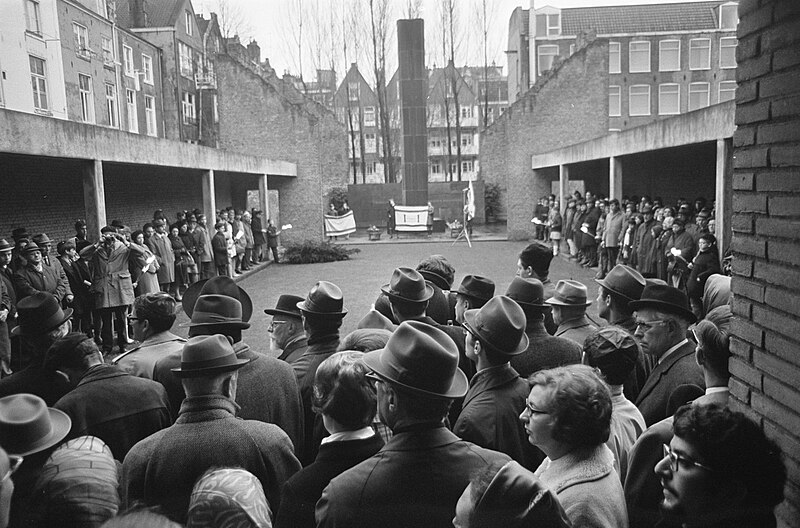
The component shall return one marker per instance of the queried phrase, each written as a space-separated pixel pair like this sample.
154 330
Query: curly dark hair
343 392
580 404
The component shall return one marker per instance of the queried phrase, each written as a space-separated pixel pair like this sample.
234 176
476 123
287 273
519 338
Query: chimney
138 13
254 51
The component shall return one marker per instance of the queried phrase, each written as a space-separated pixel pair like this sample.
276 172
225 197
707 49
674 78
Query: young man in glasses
720 470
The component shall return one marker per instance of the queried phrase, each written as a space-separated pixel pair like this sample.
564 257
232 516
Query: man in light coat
161 247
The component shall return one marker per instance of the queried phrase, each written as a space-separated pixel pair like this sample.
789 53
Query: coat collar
579 466
206 408
662 368
580 322
155 339
489 379
428 438
101 372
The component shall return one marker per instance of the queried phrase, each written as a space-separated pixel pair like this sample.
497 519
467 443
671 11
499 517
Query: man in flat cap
417 478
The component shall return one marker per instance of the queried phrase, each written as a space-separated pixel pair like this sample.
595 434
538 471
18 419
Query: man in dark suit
662 318
544 351
424 464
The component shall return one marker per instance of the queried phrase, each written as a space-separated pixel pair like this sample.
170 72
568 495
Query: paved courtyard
362 277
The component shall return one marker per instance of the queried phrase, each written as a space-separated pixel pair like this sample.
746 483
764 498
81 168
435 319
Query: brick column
563 186
94 198
209 198
614 178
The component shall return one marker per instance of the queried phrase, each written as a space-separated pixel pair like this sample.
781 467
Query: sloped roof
202 23
689 16
160 13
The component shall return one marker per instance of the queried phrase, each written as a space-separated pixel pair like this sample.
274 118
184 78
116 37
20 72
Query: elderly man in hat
614 352
29 432
662 318
267 388
322 312
40 322
490 412
110 260
162 469
38 277
106 402
544 351
417 478
616 291
569 311
286 334
161 247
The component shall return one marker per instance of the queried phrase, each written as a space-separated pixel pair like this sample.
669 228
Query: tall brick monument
413 95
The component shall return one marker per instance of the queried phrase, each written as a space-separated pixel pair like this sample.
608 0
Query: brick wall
568 106
766 224
260 115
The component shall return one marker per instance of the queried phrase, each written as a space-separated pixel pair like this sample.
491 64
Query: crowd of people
452 404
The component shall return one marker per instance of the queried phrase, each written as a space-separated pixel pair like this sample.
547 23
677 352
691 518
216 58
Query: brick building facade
766 231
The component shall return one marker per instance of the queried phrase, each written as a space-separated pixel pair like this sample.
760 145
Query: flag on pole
469 206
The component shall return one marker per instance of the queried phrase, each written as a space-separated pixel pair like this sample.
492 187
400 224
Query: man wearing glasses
662 318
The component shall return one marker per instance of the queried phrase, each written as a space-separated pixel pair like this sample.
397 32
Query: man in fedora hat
416 479
36 277
322 312
615 292
286 334
152 319
162 469
106 402
161 247
46 245
490 413
267 389
40 322
29 432
662 318
473 292
112 288
569 311
534 263
544 350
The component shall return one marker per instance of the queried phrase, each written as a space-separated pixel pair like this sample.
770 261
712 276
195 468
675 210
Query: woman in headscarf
226 497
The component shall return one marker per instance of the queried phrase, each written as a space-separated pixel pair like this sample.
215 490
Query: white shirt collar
714 390
361 434
671 350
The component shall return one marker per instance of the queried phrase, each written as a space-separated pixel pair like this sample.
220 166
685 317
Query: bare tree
380 19
413 9
484 14
232 20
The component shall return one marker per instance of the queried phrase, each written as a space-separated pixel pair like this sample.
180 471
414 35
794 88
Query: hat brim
556 302
469 325
458 387
524 304
20 331
239 325
664 306
303 308
193 292
60 423
199 372
472 295
602 282
271 311
386 288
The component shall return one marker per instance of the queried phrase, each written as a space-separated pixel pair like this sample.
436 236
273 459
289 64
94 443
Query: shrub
310 252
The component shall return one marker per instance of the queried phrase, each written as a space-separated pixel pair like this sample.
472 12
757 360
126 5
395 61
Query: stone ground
362 277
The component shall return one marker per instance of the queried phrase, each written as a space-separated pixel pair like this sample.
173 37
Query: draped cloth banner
411 218
340 225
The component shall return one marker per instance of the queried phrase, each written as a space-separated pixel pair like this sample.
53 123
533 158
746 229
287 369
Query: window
639 100
436 167
127 57
147 68
111 105
39 84
108 52
466 112
466 166
553 24
727 91
369 116
353 91
185 57
669 99
33 21
215 107
369 142
639 56
571 50
102 8
547 54
700 54
614 101
727 52
466 141
728 16
150 114
370 168
436 143
87 101
187 105
188 18
669 55
81 35
133 118
614 65
698 95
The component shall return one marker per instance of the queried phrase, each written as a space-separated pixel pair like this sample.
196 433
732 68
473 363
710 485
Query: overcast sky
275 25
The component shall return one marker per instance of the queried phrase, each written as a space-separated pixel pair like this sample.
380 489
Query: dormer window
728 16
548 24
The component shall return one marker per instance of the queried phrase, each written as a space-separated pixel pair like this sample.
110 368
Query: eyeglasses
273 324
674 458
14 462
647 325
533 410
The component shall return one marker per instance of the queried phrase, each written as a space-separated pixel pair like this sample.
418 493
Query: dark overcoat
28 281
111 276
